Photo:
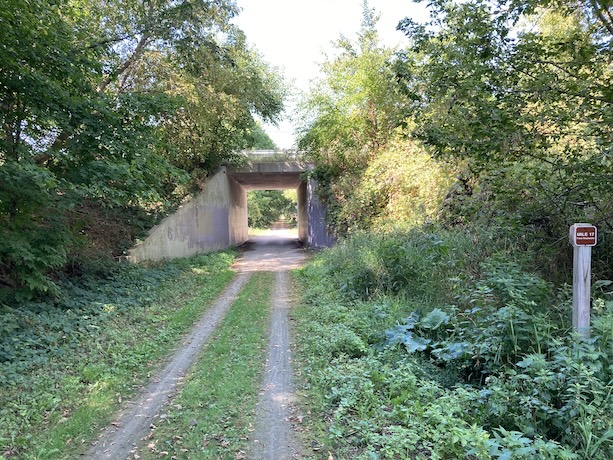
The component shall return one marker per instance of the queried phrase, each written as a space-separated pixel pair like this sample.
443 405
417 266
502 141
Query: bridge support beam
303 212
317 229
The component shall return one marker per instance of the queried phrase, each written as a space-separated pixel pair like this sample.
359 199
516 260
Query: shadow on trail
278 250
274 436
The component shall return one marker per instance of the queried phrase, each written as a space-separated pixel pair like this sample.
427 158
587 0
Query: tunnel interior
288 177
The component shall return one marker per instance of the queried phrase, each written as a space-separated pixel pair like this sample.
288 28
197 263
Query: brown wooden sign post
582 238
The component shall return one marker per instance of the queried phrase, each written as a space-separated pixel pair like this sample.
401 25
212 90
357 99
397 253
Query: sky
293 35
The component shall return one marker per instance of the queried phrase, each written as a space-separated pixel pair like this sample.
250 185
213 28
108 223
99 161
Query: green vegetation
114 108
437 344
439 328
519 98
65 366
510 100
213 416
260 140
268 206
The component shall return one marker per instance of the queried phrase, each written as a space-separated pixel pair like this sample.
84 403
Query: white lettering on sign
583 235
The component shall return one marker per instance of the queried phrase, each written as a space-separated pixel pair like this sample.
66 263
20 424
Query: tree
114 105
521 94
221 94
351 116
44 84
487 80
268 206
260 140
354 109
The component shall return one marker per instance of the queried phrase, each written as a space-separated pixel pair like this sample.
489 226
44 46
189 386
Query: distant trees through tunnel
267 208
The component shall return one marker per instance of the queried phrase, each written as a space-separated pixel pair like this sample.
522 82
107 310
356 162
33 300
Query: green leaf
414 343
435 319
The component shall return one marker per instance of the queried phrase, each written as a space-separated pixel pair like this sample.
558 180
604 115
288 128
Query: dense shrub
526 205
412 262
467 354
402 187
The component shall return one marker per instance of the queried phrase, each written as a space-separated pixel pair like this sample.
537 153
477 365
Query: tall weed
414 264
419 347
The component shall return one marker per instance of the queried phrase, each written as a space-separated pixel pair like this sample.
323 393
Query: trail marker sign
582 238
583 235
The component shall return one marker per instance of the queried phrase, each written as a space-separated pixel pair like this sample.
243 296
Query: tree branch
115 39
560 67
559 90
61 139
136 54
598 9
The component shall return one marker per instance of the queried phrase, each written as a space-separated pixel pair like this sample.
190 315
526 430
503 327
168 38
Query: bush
33 240
415 262
402 187
453 354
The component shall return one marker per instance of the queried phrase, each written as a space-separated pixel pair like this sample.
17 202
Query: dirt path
123 436
273 438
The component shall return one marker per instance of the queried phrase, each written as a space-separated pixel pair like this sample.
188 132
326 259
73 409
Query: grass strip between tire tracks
213 415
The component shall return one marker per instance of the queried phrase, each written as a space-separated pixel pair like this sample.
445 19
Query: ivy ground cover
67 364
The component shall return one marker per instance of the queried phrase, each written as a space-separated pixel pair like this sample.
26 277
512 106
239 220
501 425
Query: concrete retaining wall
215 219
237 217
303 213
317 233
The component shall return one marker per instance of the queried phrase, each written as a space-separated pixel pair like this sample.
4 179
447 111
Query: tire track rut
274 436
119 439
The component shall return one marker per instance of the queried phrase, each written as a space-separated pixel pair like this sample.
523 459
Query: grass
412 347
259 231
213 415
268 231
112 339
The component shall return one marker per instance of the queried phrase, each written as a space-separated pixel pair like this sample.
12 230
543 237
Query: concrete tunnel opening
272 210
278 176
217 218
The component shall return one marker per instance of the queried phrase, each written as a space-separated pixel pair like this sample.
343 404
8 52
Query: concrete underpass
217 217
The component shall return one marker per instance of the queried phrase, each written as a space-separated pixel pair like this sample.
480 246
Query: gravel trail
122 437
273 437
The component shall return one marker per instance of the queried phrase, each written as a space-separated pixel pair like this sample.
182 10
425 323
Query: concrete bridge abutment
217 217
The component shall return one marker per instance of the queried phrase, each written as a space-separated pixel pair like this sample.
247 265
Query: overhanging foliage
127 104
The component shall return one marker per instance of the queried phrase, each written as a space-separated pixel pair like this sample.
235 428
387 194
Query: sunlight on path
277 251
